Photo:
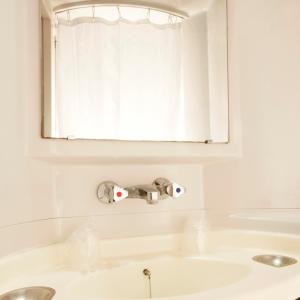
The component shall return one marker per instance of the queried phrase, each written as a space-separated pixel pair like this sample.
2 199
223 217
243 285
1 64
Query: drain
277 261
147 273
30 293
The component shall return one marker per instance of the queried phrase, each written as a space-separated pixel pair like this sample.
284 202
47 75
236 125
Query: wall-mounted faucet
109 192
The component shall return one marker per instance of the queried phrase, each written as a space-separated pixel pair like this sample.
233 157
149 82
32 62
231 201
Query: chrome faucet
109 192
148 192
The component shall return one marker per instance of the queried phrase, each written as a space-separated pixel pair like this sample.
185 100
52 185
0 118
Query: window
136 73
117 61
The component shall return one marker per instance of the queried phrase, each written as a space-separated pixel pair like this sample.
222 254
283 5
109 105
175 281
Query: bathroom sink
158 278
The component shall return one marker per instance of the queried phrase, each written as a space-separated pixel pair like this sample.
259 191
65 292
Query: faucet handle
176 190
168 189
109 192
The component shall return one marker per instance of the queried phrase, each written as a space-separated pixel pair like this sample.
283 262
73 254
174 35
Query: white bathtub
169 277
225 271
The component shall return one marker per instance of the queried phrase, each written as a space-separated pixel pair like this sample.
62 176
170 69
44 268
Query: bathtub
224 271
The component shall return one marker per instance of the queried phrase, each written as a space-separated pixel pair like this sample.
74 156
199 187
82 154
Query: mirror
137 73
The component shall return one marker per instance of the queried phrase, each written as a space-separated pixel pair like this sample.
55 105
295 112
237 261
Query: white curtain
118 79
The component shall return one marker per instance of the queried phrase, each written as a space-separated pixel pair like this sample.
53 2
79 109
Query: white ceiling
189 6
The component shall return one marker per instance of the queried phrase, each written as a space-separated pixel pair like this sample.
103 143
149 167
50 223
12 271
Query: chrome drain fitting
277 261
30 293
147 273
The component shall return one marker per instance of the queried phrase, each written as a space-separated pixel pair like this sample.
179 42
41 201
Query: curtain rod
158 7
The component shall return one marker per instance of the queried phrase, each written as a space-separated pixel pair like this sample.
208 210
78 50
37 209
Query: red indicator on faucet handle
119 193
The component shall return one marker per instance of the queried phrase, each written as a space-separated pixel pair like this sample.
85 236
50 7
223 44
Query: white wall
266 37
24 183
47 178
41 179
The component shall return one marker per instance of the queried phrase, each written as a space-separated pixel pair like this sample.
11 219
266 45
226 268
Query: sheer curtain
118 77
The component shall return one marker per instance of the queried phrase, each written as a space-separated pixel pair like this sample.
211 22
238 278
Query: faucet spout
146 192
